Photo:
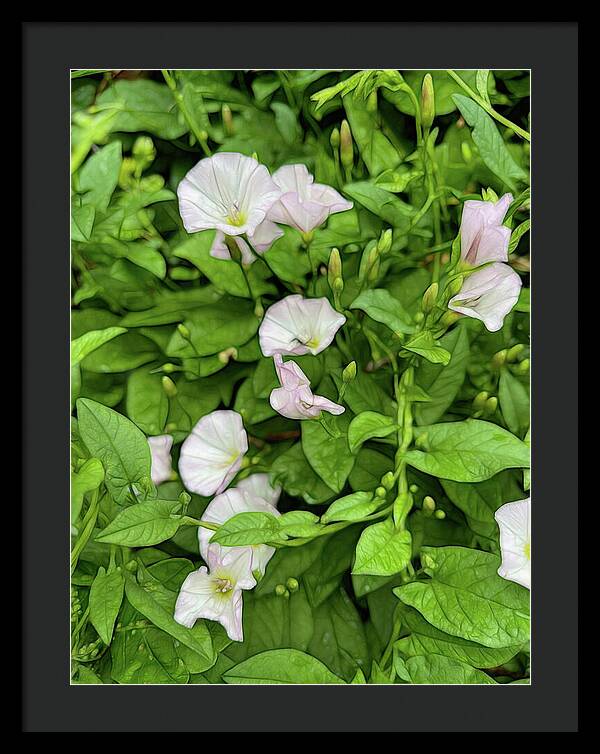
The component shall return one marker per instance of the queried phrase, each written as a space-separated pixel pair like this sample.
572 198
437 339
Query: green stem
188 117
87 527
488 108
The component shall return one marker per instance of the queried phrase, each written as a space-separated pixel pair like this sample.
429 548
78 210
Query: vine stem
188 117
488 108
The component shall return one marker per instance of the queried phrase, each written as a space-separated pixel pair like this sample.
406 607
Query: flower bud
427 101
491 405
292 584
131 566
387 481
171 427
183 331
184 273
419 317
429 298
349 372
385 242
259 310
334 268
280 590
372 102
169 386
479 400
489 195
428 504
373 271
334 139
286 594
413 488
449 318
466 152
338 286
227 120
513 353
144 147
439 514
169 368
346 148
227 354
523 367
151 184
380 492
499 359
454 286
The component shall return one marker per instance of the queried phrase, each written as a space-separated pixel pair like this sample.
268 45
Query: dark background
50 704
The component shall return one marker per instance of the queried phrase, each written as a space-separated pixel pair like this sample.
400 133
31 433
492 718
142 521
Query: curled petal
194 598
294 399
483 238
514 522
259 486
488 294
160 452
297 326
212 454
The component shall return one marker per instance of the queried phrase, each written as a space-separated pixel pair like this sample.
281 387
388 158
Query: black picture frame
50 703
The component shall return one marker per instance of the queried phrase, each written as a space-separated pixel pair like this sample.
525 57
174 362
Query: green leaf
375 148
424 345
382 550
367 425
250 528
329 456
381 306
369 467
142 105
293 472
351 507
122 353
382 203
143 524
281 666
299 524
197 639
89 477
147 403
491 146
442 383
287 123
106 595
432 668
424 639
90 341
514 402
118 443
99 175
466 598
467 451
82 223
517 234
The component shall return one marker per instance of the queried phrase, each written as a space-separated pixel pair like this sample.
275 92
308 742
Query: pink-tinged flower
216 594
229 192
304 205
262 238
225 506
212 454
258 485
297 325
160 452
488 294
483 238
294 399
514 521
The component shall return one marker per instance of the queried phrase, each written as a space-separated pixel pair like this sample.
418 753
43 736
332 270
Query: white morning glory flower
160 452
258 485
488 294
297 325
229 192
294 399
304 204
241 499
213 453
514 521
483 238
216 594
261 240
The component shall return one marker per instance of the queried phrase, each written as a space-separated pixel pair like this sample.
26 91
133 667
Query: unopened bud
372 102
427 561
479 400
449 318
413 488
385 241
144 147
491 405
513 353
373 271
152 184
184 273
489 195
227 354
419 317
169 386
380 492
203 135
523 367
171 427
334 268
169 368
185 499
338 285
334 139
259 310
349 372
454 286
280 590
131 566
466 152
227 120
292 584
439 514
427 101
499 358
428 503
429 298
346 148
183 331
387 481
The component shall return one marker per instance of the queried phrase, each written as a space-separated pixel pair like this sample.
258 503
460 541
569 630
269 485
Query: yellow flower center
312 343
527 551
236 217
223 586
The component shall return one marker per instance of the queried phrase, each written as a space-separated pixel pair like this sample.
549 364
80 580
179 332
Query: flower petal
488 294
194 597
160 452
514 521
258 485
